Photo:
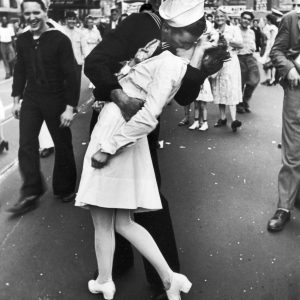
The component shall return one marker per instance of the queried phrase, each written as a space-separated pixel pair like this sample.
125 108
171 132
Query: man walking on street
285 57
45 79
7 35
248 63
78 41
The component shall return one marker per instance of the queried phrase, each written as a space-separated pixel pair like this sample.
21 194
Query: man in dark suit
284 56
103 62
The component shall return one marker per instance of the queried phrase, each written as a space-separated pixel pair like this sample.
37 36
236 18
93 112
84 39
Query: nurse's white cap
181 13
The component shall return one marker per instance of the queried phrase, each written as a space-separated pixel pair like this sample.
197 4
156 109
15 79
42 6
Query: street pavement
222 189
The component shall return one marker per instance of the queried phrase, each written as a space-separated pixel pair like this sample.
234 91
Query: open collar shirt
248 41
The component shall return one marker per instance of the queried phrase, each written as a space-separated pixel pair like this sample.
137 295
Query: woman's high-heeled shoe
179 283
3 145
108 289
235 124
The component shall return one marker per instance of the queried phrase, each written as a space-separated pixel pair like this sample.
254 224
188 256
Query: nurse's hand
129 106
99 159
66 117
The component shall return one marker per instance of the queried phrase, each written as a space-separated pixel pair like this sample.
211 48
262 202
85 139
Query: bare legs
222 109
223 121
200 116
232 109
185 120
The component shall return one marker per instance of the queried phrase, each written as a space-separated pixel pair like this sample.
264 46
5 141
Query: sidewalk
2 71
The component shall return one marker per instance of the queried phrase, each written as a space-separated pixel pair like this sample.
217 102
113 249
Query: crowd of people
178 53
250 41
84 34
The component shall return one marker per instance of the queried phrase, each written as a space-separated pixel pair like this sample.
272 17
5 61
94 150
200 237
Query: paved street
222 189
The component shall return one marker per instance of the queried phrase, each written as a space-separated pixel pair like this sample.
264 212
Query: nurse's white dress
128 180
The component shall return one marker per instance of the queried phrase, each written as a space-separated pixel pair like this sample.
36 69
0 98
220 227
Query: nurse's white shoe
108 288
179 283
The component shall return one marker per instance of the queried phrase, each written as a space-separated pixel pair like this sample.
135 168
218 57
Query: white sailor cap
277 12
181 13
45 2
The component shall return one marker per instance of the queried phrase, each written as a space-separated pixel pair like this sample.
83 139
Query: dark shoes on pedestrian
221 123
46 152
3 145
24 205
235 124
66 197
185 121
242 108
278 221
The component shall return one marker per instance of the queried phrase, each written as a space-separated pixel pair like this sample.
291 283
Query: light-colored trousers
289 174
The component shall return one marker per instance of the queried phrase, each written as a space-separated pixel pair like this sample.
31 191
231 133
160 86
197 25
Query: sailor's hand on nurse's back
129 106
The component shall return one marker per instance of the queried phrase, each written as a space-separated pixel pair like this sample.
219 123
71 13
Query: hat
181 13
277 13
45 2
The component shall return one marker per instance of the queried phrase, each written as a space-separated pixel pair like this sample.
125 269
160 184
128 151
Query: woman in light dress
270 31
118 177
92 37
226 85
